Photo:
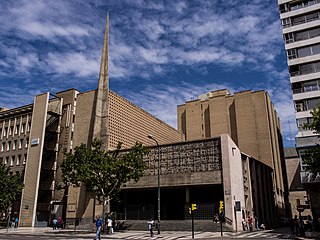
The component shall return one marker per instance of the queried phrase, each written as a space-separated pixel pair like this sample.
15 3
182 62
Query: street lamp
151 137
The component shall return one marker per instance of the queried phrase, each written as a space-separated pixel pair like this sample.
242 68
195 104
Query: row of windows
301 122
295 5
297 20
8 131
15 160
303 52
308 86
307 105
301 35
13 145
303 69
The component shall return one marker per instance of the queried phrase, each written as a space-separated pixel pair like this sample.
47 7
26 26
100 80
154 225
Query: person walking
150 227
98 227
256 222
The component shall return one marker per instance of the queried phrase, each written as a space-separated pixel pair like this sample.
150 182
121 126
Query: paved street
48 233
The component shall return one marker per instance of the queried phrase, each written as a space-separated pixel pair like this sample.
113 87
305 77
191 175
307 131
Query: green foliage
10 187
101 172
312 159
315 124
312 155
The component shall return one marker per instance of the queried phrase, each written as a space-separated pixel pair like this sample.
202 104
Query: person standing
54 224
98 227
109 225
250 223
150 227
291 223
16 222
296 224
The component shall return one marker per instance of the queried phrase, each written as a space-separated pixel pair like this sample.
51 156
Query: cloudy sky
162 53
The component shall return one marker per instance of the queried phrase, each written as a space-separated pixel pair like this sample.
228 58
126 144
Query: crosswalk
264 235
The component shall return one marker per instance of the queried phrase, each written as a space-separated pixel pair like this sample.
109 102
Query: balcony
307 177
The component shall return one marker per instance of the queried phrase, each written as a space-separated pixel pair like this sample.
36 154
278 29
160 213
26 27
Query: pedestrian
296 224
292 227
310 224
150 227
250 223
256 222
60 222
16 222
301 227
98 227
109 225
54 224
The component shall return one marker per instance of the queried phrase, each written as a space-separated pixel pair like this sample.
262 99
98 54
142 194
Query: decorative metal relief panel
197 156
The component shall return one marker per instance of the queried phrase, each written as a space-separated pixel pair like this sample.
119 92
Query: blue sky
162 53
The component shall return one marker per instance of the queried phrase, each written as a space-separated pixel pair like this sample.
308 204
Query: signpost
300 209
193 208
221 212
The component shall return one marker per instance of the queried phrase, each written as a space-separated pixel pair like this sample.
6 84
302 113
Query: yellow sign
221 207
193 206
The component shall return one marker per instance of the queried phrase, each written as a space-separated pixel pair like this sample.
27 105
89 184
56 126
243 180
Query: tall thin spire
101 123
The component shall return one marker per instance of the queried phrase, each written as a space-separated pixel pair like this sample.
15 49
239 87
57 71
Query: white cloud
73 63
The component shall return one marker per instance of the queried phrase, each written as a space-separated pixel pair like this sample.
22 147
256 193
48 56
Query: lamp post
151 137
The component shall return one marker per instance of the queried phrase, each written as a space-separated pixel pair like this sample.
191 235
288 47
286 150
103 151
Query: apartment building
251 121
301 32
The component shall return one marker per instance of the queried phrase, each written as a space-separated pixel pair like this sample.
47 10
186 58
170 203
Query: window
10 130
302 36
6 160
292 53
24 159
3 146
14 145
299 107
29 127
314 32
5 132
23 127
17 129
312 103
303 52
20 143
18 160
286 22
289 37
12 161
316 49
27 143
8 145
311 86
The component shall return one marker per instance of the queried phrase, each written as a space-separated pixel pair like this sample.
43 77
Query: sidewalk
45 231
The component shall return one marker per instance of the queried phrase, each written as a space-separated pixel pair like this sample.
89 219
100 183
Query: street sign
300 208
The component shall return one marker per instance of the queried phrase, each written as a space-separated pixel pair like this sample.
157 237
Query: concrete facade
301 33
297 193
203 172
251 121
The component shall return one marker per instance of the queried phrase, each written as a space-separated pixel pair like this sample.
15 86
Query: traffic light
221 207
193 206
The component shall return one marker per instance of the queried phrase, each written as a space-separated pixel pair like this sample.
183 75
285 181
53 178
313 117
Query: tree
312 155
101 172
10 187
